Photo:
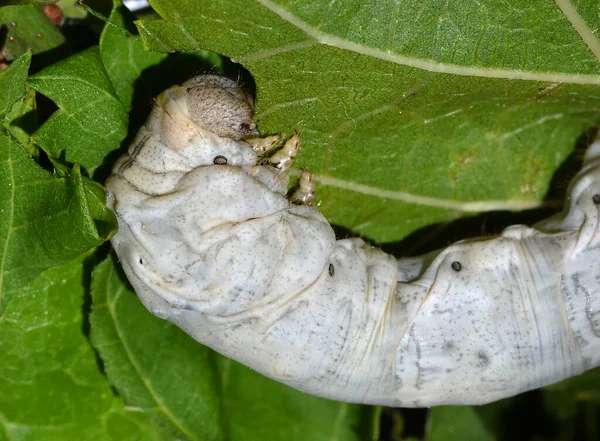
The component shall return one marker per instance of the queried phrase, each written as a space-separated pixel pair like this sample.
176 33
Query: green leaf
22 121
50 382
584 387
45 220
122 54
192 390
17 104
72 8
27 29
14 80
26 2
450 423
411 113
104 219
91 121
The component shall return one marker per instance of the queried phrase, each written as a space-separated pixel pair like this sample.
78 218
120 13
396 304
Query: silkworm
209 241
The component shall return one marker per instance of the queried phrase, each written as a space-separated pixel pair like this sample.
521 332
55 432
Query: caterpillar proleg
210 242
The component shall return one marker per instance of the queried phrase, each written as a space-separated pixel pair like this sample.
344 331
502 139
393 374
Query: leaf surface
51 386
13 80
45 220
123 56
91 120
448 423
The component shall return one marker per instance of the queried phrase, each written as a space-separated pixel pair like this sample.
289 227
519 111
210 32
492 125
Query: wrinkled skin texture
219 251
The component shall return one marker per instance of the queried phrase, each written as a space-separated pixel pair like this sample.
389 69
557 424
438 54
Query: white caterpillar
209 241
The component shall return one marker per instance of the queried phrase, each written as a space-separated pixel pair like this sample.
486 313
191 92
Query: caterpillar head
220 106
208 105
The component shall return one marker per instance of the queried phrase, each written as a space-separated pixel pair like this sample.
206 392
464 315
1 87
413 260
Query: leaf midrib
432 66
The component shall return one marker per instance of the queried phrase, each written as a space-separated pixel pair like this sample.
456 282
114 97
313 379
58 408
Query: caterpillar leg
263 145
273 171
305 194
284 158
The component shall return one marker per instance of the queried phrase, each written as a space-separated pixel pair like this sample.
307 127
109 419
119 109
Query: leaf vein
580 26
462 206
276 51
484 72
